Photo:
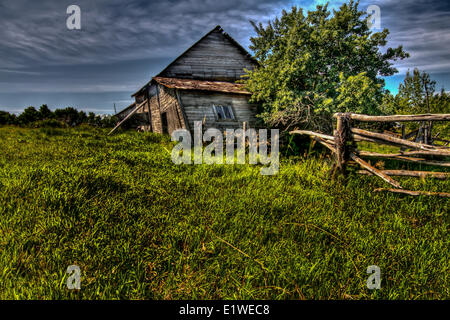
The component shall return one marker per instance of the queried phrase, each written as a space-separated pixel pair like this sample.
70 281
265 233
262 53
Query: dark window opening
223 112
164 123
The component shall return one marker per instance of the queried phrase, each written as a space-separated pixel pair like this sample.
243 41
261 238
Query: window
223 112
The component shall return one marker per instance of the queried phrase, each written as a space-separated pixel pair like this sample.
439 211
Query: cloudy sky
122 44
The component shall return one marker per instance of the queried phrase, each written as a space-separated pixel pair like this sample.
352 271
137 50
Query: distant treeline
68 117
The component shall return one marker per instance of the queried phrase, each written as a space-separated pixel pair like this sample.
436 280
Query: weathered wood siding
216 57
213 58
165 100
198 105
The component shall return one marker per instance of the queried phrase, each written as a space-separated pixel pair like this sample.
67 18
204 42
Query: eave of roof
218 28
129 107
145 86
202 85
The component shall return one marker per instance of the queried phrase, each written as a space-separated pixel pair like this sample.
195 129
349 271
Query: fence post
341 137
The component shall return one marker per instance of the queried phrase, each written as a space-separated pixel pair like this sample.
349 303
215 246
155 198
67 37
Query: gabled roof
217 28
203 85
126 109
145 86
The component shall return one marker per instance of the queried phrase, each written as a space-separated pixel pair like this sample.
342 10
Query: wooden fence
343 145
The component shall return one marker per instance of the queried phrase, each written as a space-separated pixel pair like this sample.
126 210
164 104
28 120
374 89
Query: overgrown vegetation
416 95
313 65
141 227
44 117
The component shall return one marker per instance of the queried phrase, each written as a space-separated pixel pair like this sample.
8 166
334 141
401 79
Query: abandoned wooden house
199 85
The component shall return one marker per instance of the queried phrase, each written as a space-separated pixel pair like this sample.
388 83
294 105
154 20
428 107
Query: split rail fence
343 145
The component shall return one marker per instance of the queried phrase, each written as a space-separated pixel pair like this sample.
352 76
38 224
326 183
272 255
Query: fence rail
343 145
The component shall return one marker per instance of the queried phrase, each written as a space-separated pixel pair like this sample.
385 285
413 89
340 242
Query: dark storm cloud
423 28
123 43
120 46
35 32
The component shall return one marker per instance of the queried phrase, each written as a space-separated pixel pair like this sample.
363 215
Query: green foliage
141 227
94 120
48 123
59 118
7 118
28 116
303 59
440 103
358 94
389 104
415 93
108 121
45 112
71 116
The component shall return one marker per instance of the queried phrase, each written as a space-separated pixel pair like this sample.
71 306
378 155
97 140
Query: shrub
7 118
29 115
48 123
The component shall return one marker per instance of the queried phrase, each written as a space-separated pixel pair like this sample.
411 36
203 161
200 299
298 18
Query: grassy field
141 227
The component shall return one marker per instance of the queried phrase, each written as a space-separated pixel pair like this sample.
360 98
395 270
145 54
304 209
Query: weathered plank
398 118
198 106
128 116
215 57
414 193
404 158
400 142
312 134
374 170
408 173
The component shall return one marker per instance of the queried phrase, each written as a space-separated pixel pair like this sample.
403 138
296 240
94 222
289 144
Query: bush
48 123
29 115
109 122
60 118
7 118
155 137
71 116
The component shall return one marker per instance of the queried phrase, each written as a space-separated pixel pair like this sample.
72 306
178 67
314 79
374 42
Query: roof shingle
190 84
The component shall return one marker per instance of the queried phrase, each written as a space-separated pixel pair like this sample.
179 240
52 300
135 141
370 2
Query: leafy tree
29 115
389 103
304 59
415 93
71 116
91 118
94 120
82 117
358 94
7 118
45 112
4 117
109 121
440 103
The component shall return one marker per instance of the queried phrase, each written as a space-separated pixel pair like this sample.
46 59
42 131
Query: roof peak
216 28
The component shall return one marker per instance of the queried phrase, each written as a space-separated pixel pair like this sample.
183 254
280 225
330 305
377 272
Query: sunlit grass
141 227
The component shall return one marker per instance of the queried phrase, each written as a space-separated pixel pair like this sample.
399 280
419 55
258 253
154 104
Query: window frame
222 112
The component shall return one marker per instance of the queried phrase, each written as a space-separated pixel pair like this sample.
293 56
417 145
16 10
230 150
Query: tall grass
141 227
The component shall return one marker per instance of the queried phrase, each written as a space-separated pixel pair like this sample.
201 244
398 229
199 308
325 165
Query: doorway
164 123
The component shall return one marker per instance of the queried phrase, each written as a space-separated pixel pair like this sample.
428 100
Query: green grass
141 227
